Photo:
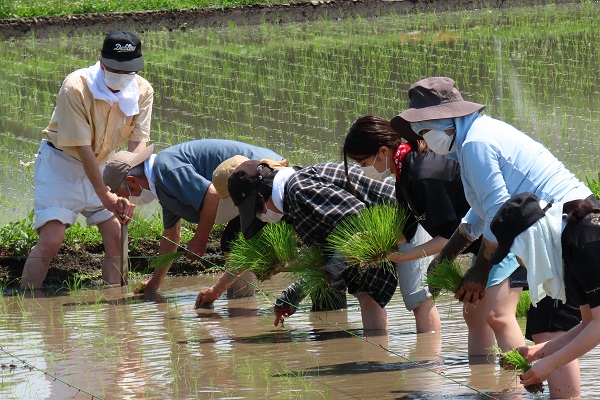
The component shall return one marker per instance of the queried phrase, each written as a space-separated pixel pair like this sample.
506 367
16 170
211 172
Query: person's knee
51 237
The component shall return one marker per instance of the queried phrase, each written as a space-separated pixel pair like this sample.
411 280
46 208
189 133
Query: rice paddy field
294 88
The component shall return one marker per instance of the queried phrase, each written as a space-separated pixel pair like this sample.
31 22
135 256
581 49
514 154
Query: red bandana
399 155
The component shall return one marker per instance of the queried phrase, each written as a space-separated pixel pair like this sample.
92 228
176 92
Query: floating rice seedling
266 253
369 236
448 277
514 361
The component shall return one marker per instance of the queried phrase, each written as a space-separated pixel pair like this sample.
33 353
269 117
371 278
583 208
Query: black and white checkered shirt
318 197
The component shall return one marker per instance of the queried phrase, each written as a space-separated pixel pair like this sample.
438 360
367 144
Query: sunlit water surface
113 345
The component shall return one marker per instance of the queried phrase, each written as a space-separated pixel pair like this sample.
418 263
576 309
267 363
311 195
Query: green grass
37 8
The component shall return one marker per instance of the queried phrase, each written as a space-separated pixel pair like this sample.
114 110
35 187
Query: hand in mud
470 292
283 312
206 298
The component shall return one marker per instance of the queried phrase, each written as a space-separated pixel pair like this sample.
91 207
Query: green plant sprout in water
513 360
369 236
524 304
268 252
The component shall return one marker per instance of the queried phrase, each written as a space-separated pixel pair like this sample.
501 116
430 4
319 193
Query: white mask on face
117 81
439 142
145 198
371 172
270 216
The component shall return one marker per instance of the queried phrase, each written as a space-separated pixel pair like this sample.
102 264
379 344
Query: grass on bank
38 8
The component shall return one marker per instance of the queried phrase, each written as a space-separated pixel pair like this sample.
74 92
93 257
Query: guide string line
32 367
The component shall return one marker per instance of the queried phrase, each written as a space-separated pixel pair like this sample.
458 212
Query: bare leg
240 287
501 306
564 383
481 336
36 267
427 318
111 236
374 317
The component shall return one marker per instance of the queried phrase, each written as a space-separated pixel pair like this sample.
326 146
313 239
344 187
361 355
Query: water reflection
115 345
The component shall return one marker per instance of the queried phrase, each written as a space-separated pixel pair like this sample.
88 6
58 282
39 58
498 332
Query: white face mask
371 172
145 198
117 81
270 216
439 142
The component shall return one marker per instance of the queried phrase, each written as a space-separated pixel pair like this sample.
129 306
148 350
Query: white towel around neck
127 98
540 250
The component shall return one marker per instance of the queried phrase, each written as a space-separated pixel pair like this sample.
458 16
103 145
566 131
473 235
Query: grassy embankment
38 8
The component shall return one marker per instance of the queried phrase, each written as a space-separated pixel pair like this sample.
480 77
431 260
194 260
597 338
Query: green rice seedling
523 305
594 186
369 236
165 260
315 283
514 361
266 253
448 276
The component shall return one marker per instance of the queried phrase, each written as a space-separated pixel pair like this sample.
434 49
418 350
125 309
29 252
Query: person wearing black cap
542 235
313 200
98 109
496 161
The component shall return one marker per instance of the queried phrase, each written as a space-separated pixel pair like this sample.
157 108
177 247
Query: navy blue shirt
183 173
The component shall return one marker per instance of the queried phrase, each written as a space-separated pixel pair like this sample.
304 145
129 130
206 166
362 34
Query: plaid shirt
318 197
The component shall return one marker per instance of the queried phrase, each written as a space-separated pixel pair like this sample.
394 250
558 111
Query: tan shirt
81 120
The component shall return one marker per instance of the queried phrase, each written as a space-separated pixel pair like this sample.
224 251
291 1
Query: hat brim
226 211
500 253
135 65
249 224
401 122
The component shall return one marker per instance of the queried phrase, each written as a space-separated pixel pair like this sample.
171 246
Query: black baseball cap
513 218
122 51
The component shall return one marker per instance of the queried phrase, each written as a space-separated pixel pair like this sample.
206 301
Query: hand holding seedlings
513 360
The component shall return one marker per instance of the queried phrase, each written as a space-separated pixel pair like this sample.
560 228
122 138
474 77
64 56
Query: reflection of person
98 109
539 235
180 178
313 200
496 161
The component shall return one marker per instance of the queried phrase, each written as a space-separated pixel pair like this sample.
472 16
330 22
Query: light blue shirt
498 161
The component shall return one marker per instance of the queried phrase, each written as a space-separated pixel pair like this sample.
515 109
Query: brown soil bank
243 15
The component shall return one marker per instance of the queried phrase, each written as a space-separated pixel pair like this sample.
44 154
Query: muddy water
112 345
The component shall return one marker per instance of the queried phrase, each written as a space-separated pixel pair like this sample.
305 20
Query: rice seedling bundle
165 260
369 236
514 361
266 253
447 276
315 282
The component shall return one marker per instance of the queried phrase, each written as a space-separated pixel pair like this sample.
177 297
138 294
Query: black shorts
519 278
552 315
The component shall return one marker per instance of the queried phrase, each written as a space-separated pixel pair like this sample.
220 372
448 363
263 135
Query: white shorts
63 190
412 274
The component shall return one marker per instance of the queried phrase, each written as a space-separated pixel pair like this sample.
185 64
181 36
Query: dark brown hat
243 188
117 167
513 218
432 98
